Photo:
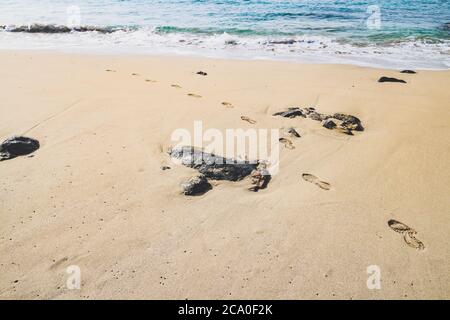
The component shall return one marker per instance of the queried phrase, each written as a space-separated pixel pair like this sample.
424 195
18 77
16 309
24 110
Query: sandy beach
94 194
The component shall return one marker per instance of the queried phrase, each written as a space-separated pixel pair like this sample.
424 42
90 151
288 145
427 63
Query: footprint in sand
399 227
287 143
109 70
244 118
413 242
135 74
194 95
175 86
150 80
313 179
408 234
227 104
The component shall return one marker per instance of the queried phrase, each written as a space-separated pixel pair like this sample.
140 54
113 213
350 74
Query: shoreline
194 56
94 194
380 61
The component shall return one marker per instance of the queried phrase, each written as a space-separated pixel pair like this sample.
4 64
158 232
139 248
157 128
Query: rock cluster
342 122
51 28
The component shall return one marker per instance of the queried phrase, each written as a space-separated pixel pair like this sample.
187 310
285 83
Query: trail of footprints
292 132
226 104
409 234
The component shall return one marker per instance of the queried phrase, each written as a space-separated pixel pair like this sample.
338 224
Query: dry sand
94 194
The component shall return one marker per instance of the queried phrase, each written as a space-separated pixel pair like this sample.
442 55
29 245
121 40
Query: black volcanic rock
316 116
290 113
408 71
17 146
212 166
388 79
196 186
348 122
339 121
329 124
52 28
260 179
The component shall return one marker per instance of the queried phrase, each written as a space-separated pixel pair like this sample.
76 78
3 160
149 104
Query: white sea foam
305 48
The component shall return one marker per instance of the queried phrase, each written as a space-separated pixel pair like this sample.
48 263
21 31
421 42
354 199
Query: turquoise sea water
389 33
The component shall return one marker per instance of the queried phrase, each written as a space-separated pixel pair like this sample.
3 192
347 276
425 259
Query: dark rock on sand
311 113
329 124
294 112
196 186
387 79
408 71
294 133
165 168
212 166
17 146
348 122
343 122
290 113
309 110
260 178
202 73
314 115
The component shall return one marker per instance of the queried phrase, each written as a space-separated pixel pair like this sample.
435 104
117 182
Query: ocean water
386 33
